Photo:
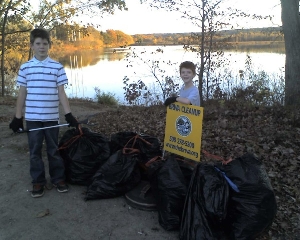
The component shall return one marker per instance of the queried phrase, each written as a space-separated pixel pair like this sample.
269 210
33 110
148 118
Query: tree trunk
3 47
291 29
202 64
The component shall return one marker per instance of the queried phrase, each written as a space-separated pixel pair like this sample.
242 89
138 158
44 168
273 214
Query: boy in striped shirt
41 81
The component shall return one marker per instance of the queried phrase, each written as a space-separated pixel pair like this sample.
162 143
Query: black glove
16 124
170 100
71 120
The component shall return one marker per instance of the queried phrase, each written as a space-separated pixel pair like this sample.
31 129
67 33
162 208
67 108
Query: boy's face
40 48
187 75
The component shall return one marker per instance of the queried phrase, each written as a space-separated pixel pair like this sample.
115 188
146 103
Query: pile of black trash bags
206 201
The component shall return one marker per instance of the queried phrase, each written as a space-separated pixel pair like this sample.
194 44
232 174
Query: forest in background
255 37
67 39
19 18
87 38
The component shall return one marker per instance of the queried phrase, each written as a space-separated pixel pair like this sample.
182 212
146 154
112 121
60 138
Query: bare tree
210 17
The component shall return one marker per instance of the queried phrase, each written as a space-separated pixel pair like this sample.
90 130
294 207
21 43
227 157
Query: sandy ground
57 216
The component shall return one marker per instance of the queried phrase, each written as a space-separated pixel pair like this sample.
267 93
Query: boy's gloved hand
71 120
170 100
16 124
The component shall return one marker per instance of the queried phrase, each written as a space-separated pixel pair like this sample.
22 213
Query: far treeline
86 38
239 37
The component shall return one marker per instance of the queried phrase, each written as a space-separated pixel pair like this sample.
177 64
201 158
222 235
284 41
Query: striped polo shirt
42 78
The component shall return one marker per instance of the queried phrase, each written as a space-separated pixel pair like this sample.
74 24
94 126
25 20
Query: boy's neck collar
188 85
40 59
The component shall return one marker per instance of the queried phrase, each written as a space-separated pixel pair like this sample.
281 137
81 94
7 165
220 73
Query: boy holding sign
184 117
189 93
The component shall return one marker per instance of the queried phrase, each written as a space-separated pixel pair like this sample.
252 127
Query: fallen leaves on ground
229 131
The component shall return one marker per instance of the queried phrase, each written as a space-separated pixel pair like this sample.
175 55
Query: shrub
106 98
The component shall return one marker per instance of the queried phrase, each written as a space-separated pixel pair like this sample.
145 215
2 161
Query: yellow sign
184 130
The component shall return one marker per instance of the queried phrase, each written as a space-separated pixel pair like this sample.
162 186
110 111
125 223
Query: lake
106 69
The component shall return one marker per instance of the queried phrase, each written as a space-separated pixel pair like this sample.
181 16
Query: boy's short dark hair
39 33
188 65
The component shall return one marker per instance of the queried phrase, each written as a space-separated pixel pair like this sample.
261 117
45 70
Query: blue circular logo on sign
183 126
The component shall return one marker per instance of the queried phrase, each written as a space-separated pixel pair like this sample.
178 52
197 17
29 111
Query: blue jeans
35 140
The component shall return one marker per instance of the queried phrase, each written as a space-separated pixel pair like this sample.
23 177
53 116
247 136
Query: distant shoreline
253 46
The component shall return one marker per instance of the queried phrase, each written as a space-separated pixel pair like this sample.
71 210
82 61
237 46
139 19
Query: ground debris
230 131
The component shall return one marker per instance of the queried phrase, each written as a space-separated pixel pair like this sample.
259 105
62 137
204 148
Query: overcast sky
140 18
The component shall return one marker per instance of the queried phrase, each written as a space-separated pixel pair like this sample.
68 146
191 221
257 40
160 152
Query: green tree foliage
11 24
53 13
49 15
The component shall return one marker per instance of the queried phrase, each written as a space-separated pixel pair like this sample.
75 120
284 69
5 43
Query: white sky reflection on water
108 75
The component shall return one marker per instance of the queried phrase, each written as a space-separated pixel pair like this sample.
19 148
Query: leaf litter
230 130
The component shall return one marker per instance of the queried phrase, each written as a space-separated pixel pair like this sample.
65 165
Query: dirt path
230 130
61 216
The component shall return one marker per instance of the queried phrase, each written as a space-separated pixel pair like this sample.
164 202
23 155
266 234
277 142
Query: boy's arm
63 99
17 122
193 98
176 99
20 101
66 106
183 100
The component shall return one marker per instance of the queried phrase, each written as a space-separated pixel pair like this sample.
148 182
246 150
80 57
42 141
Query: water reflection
106 68
91 57
273 47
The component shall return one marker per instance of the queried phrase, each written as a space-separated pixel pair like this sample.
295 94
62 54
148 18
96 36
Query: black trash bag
169 189
205 206
83 153
118 175
187 166
120 139
148 146
253 207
